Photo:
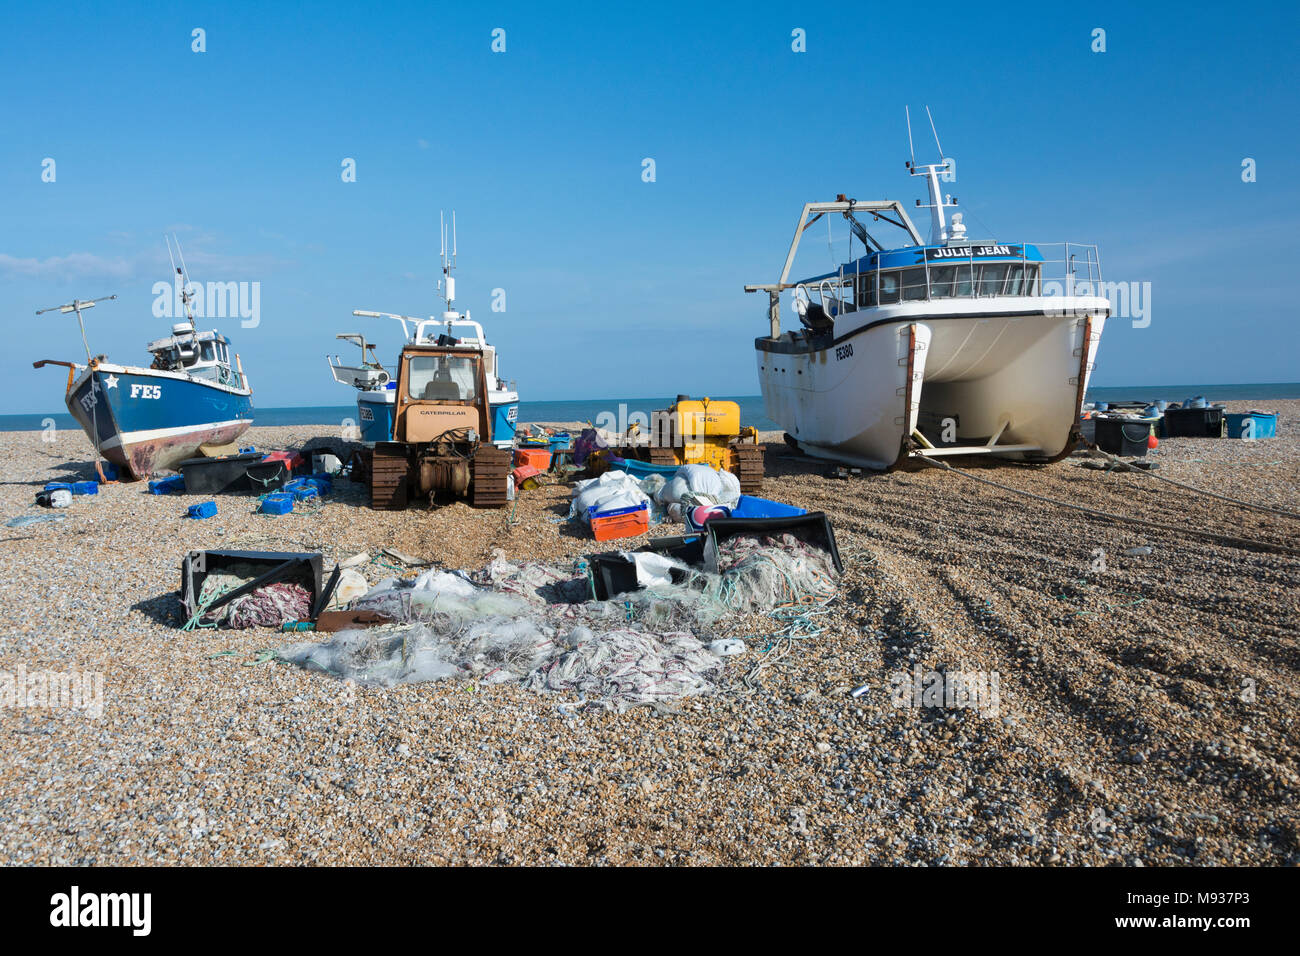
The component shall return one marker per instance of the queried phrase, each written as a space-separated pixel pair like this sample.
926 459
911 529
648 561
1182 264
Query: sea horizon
751 406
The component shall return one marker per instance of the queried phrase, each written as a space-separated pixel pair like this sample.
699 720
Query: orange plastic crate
539 458
625 523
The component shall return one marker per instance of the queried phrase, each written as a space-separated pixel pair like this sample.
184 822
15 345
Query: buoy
1153 441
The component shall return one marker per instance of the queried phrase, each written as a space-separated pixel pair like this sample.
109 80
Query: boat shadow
67 471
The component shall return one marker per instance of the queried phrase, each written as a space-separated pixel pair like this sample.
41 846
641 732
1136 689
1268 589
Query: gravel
1146 713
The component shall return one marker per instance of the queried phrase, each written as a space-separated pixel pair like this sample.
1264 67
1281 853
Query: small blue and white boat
376 387
145 420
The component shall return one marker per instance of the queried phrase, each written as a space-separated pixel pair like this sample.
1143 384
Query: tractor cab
442 395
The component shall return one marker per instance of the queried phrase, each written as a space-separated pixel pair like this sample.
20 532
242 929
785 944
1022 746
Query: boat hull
1006 379
146 420
376 411
504 408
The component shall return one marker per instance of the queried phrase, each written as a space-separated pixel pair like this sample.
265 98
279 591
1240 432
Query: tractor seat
441 391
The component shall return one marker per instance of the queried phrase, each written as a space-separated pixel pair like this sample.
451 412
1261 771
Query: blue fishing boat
190 399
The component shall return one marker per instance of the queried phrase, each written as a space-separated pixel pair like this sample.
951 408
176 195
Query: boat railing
1066 268
1071 263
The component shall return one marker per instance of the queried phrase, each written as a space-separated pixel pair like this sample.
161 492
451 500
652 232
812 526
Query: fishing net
628 668
269 606
539 624
761 573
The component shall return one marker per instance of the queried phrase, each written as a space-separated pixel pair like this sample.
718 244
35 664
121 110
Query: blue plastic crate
85 487
315 484
615 512
277 504
207 509
1261 425
166 486
304 491
752 507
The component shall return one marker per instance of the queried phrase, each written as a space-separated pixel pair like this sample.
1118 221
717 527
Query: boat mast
447 284
76 305
938 202
186 298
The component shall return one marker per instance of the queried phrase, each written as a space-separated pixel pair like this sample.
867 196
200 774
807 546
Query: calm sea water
751 406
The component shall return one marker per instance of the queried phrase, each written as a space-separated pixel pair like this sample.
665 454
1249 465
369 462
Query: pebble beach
1146 709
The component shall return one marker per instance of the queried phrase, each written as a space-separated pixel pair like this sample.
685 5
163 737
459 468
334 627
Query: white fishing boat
375 385
948 347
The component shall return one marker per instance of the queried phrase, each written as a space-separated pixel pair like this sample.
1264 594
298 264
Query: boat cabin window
1015 279
442 378
957 280
866 289
1031 286
941 281
992 277
888 287
913 285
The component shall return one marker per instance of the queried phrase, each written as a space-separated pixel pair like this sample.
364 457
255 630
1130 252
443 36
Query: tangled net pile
268 606
539 624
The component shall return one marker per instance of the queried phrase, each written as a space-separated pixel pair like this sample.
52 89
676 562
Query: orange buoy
1153 441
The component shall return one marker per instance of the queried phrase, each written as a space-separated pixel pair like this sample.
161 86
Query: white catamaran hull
1007 379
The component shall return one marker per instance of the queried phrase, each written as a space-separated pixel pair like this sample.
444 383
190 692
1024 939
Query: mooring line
1200 491
1249 544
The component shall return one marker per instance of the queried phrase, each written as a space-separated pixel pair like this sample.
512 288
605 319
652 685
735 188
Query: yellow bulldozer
702 432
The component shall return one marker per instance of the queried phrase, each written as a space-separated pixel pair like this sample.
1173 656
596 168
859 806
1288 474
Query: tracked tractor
704 432
442 432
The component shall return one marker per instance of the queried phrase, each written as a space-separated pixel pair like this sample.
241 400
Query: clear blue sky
617 287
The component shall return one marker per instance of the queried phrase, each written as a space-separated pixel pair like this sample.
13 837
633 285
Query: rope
1200 491
800 625
266 482
1249 544
204 604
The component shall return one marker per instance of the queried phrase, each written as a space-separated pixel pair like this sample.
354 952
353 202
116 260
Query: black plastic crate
233 474
1195 422
613 572
1123 436
274 566
814 529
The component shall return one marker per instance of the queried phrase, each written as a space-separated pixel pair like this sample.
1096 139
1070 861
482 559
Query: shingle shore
1146 713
